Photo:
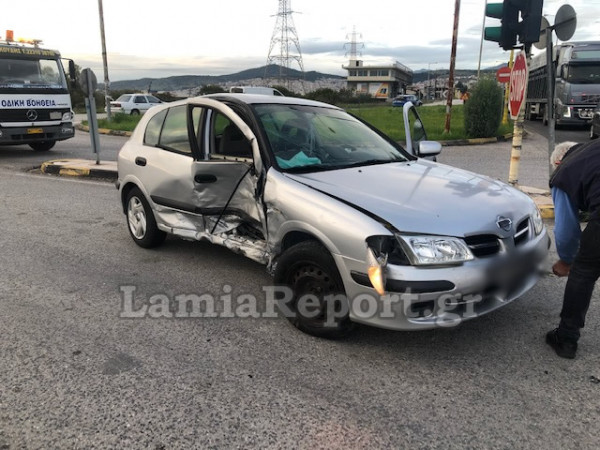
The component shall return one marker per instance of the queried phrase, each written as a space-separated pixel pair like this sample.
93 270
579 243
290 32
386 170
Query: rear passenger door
197 162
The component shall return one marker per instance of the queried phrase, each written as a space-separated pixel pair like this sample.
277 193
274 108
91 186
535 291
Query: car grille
593 99
522 233
483 245
20 115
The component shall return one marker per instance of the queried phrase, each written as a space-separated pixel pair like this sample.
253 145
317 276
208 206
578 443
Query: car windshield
584 74
124 98
309 138
31 74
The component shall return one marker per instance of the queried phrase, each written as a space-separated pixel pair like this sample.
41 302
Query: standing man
575 187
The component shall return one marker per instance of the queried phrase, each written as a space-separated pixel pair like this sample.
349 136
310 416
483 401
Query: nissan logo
504 223
32 115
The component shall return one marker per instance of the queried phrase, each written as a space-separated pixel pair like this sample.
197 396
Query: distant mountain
183 82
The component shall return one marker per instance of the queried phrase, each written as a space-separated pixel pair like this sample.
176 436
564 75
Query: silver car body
342 209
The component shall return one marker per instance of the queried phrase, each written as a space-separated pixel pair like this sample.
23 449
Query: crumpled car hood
425 197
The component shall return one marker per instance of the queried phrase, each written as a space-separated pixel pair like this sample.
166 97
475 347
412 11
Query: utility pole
104 60
481 43
285 38
452 63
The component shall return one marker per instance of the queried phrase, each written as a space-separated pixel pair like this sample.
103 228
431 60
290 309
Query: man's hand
561 268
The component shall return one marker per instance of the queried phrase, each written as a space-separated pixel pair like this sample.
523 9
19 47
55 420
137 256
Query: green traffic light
494 10
493 34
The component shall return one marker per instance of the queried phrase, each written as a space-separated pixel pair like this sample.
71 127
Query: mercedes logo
32 115
504 223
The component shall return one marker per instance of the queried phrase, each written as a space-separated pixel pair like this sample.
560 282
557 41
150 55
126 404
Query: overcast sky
152 38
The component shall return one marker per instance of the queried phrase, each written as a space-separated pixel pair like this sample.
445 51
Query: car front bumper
419 298
24 135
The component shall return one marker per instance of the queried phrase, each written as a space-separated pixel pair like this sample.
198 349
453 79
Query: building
379 81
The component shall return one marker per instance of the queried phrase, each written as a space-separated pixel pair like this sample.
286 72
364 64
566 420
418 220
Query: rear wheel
135 112
42 146
141 222
310 271
593 135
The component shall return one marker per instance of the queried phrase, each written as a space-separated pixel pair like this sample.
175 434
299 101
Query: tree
483 111
211 89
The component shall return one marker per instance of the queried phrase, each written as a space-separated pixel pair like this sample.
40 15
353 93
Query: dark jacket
579 176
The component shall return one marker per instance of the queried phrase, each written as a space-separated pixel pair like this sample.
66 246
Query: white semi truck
35 106
576 83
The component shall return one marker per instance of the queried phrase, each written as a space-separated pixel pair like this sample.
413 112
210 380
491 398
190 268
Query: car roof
253 99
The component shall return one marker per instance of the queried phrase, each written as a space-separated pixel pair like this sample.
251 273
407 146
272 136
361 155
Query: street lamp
428 82
104 59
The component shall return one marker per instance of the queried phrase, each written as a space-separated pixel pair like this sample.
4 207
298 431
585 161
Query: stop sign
518 85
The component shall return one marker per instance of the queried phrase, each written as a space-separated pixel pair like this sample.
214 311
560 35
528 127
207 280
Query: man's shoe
563 347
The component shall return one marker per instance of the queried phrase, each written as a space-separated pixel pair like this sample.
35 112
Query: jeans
580 284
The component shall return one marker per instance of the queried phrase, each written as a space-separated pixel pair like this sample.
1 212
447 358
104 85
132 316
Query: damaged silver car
359 228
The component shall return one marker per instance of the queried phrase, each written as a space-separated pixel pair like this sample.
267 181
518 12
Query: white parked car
134 104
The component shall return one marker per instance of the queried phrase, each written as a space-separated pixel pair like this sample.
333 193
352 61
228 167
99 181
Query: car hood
424 197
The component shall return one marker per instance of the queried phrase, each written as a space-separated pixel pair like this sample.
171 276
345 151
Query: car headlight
67 117
538 223
430 250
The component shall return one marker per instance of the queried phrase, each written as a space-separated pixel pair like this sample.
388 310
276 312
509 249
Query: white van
254 90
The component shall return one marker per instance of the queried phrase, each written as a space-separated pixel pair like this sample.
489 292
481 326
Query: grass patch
384 117
119 121
391 121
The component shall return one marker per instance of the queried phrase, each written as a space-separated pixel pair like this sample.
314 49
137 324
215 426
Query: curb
80 168
547 211
104 131
476 141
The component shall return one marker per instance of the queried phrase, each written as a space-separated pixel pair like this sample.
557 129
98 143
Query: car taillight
116 105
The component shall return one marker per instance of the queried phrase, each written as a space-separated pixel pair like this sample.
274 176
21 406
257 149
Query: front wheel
318 305
141 222
42 146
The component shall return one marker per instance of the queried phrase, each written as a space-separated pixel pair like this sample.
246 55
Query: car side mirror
429 148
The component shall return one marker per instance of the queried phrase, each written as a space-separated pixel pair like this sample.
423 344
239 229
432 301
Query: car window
227 139
153 99
174 134
152 133
124 98
140 99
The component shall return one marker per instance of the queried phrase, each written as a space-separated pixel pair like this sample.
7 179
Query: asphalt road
74 374
563 133
21 157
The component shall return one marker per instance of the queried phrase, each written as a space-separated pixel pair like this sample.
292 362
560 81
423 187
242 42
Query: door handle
205 178
140 161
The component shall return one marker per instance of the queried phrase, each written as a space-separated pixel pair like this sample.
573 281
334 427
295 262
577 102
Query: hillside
176 83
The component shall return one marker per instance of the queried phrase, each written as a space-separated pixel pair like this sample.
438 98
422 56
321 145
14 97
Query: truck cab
35 106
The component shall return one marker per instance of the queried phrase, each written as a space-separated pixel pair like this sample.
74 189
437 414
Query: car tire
43 146
135 112
308 268
141 222
592 134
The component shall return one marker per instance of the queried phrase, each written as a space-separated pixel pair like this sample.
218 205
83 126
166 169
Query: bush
483 110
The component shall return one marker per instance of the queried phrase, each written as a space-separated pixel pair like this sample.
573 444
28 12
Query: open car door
416 137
